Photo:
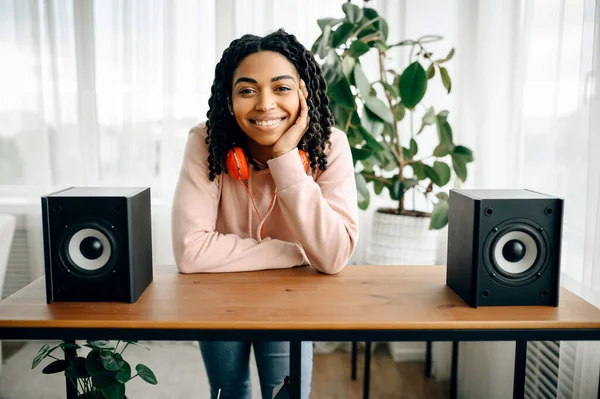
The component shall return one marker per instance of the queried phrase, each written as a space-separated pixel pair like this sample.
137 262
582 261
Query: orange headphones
237 167
237 164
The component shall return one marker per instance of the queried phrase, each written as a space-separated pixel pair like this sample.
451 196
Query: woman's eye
283 88
245 91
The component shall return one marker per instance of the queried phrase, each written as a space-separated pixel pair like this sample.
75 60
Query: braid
222 128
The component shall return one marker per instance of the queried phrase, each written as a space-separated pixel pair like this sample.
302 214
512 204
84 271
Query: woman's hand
290 139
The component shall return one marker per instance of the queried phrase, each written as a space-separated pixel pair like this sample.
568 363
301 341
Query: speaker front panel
88 249
519 252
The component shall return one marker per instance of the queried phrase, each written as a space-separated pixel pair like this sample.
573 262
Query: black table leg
367 379
295 369
353 365
519 379
70 353
454 371
428 360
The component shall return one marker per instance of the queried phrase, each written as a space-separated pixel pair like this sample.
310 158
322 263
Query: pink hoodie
313 221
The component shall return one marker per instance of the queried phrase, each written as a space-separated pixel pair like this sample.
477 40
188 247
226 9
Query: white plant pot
401 240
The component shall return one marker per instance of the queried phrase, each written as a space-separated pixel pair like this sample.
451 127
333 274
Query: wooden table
362 303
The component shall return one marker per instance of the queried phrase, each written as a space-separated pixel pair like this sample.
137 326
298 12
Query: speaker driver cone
89 249
515 252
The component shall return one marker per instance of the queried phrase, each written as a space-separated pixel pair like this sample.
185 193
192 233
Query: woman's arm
197 247
322 213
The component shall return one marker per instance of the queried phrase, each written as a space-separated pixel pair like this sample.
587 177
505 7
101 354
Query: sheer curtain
530 107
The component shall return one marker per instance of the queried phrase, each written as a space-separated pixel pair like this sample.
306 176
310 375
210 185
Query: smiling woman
267 151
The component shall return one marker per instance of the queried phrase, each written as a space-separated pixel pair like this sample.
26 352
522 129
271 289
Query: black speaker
97 244
504 247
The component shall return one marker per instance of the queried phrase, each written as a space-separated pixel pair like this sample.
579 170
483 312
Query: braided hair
223 131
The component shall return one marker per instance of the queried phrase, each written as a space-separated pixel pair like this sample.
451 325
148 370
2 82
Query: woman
266 183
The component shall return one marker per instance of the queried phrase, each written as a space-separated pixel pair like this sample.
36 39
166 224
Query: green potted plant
373 113
102 374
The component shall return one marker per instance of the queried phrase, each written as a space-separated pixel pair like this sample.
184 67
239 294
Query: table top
358 298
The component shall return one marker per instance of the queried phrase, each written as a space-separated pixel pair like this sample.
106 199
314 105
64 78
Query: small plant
102 374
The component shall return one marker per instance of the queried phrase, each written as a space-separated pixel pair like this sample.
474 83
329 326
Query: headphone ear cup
237 165
304 159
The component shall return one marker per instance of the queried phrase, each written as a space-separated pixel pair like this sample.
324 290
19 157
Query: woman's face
265 96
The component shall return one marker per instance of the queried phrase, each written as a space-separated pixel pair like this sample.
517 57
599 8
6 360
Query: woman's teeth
267 123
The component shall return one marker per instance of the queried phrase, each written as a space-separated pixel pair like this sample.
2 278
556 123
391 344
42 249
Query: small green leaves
362 191
446 79
413 85
353 12
358 48
56 366
40 355
146 374
439 215
379 108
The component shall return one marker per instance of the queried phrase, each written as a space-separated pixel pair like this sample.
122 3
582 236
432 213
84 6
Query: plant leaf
430 71
115 391
348 68
124 374
324 47
460 167
444 131
464 152
146 374
448 57
93 364
446 79
442 195
432 175
103 381
412 85
391 90
377 186
77 369
362 191
399 111
428 119
439 215
340 92
111 361
353 12
379 108
414 148
440 151
419 170
371 122
359 154
362 83
331 22
358 48
40 355
443 171
341 34
56 366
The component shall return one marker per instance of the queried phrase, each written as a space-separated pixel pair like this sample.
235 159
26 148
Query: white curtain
104 92
529 105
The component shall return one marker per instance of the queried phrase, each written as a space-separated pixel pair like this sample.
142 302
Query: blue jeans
228 367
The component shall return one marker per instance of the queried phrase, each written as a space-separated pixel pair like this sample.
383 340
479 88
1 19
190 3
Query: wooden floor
331 378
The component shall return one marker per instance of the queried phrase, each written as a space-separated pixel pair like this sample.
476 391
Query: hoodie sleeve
323 212
197 247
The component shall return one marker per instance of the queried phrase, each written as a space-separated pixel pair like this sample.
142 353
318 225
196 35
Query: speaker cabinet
97 244
504 247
